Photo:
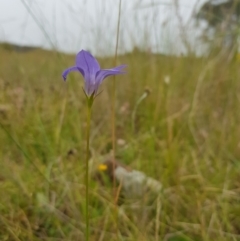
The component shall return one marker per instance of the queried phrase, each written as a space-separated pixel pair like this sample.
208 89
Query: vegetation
185 133
222 29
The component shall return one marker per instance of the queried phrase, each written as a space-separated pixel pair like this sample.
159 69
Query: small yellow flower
102 167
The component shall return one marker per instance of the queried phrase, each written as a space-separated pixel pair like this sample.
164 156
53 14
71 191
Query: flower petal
88 66
66 71
120 67
104 73
91 88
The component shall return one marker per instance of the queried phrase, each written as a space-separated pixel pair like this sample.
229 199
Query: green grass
186 135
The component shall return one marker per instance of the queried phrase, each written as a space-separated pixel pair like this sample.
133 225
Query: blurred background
170 26
177 118
161 26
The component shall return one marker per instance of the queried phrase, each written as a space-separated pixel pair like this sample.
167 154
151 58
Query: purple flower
93 75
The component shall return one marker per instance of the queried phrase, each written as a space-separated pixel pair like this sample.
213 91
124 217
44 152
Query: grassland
184 134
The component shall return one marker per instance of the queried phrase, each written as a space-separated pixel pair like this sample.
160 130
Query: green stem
89 113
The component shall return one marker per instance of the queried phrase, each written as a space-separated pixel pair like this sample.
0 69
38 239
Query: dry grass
186 135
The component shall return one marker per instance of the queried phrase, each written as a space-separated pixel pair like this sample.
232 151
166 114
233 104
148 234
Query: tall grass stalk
114 86
114 115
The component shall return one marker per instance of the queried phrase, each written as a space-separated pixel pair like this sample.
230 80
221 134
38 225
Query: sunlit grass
193 150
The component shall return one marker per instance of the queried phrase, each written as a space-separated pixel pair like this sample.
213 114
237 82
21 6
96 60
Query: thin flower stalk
93 76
